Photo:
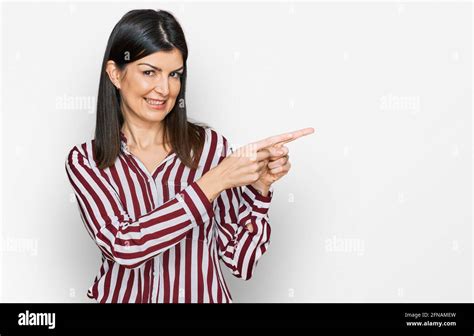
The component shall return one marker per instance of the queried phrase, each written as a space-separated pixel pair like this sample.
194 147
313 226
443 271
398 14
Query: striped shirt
160 237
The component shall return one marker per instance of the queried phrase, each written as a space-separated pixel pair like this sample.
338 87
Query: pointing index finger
273 140
281 139
297 134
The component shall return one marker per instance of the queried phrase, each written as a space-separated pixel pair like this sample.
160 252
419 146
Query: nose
162 86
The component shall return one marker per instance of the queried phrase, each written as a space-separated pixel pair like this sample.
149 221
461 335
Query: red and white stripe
160 237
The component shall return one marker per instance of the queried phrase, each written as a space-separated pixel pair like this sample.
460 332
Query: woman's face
149 86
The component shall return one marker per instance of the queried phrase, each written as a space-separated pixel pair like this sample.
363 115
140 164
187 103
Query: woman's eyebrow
156 68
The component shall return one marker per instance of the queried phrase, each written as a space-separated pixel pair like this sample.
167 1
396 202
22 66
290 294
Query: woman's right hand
244 165
247 164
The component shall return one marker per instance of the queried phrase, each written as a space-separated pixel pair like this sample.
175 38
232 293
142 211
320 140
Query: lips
152 101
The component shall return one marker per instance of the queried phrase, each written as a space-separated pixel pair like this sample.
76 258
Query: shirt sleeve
238 248
124 240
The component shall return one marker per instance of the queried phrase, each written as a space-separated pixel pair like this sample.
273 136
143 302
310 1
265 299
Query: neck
143 137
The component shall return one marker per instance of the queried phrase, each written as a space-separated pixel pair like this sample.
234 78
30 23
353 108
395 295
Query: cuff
256 194
195 203
256 201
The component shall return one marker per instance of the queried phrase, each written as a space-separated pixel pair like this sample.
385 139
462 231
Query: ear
114 73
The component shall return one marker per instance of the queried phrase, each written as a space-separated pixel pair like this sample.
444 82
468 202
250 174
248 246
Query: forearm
212 184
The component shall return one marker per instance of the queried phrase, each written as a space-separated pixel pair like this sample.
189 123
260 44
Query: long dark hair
140 33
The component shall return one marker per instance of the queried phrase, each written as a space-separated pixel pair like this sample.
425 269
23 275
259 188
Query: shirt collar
123 142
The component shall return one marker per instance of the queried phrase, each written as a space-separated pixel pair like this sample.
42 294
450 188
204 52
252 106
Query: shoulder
215 148
81 152
215 141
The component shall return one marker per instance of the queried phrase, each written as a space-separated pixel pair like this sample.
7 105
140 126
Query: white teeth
154 101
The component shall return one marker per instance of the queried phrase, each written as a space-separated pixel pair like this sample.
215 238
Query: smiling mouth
155 102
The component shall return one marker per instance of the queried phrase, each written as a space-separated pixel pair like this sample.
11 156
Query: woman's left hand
276 166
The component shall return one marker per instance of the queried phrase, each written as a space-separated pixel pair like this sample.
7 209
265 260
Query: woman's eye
148 72
176 75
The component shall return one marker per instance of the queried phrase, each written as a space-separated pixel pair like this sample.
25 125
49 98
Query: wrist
218 178
261 188
211 185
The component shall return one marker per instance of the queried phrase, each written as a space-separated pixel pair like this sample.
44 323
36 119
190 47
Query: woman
163 198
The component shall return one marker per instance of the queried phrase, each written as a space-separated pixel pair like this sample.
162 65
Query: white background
377 206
